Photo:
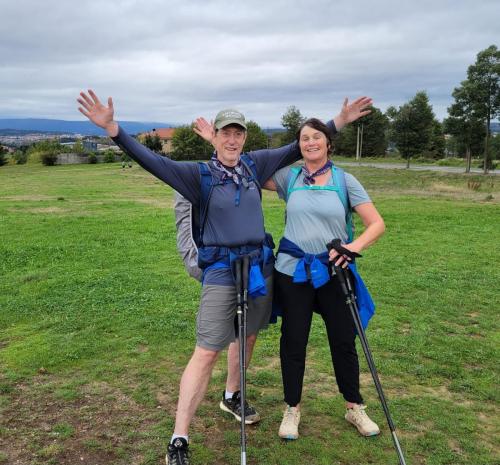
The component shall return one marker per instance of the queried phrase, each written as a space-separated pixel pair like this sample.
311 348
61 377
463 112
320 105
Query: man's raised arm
184 177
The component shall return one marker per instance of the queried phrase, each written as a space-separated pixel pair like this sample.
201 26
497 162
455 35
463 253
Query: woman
315 215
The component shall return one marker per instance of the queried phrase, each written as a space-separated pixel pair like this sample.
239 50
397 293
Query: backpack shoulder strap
205 194
339 178
250 166
291 178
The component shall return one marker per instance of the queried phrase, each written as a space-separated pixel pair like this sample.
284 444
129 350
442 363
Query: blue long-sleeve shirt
227 224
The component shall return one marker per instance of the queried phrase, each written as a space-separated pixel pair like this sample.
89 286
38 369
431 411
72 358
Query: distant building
165 135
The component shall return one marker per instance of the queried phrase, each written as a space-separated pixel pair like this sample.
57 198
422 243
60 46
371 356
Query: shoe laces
181 456
359 413
291 414
238 404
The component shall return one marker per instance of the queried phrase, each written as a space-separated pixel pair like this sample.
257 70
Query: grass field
97 322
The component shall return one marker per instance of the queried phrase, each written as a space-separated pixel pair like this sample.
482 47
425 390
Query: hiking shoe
178 452
358 417
233 406
289 428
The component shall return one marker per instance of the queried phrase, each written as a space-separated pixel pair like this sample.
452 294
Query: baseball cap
229 116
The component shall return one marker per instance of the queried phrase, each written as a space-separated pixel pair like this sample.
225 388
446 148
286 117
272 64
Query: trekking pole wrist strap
336 244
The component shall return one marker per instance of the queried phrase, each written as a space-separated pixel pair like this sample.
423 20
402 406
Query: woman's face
313 144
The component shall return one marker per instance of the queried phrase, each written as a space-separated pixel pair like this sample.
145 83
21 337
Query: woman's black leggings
299 301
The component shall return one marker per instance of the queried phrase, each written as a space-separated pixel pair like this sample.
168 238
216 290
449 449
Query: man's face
229 142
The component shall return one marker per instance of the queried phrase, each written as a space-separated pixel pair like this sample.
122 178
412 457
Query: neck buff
235 173
309 177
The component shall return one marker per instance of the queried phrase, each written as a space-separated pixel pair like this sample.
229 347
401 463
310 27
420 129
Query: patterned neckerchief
309 177
235 173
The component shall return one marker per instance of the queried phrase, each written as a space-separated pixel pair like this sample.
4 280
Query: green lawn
97 322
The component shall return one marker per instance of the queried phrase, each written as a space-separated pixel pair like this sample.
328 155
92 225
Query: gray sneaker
233 406
289 428
358 417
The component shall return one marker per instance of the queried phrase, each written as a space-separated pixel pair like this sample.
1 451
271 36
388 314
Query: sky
172 61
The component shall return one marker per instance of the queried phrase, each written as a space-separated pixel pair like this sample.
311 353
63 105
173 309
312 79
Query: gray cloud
174 60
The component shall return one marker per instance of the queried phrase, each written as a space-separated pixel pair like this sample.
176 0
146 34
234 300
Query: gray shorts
215 323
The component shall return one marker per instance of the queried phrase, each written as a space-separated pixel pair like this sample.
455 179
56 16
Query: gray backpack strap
186 245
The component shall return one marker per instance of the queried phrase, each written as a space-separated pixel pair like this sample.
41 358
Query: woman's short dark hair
317 124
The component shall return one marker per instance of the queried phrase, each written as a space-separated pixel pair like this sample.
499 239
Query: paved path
402 166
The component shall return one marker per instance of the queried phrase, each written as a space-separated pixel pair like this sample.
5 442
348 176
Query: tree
495 147
291 121
375 126
256 137
484 89
78 147
187 145
403 134
463 124
46 151
437 144
412 126
153 143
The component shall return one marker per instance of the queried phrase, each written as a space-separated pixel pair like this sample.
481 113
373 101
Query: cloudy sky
169 60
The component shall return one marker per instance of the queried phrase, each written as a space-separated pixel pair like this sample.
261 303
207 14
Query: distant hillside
73 127
23 132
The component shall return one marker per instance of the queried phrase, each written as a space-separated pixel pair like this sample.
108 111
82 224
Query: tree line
412 129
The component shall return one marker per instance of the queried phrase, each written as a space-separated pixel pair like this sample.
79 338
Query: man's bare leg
193 386
233 362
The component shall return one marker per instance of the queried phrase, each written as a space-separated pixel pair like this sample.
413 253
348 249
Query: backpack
190 220
339 186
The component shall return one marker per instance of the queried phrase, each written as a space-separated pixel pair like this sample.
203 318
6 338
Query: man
234 222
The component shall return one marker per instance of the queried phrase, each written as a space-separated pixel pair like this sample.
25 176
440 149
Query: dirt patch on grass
101 424
29 198
455 446
448 193
272 363
441 392
473 314
448 188
160 203
421 429
44 210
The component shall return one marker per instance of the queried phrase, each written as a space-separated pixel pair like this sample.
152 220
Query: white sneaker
358 417
289 428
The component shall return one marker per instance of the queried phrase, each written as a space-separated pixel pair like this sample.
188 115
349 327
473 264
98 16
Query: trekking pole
348 290
239 267
243 388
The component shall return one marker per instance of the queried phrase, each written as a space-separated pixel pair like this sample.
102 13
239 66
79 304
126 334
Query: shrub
20 157
109 156
473 185
490 164
451 161
49 158
3 158
92 158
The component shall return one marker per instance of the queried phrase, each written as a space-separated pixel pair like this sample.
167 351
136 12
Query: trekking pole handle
245 265
237 272
336 244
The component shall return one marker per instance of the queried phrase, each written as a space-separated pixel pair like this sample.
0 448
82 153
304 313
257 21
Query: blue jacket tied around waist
314 269
210 258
